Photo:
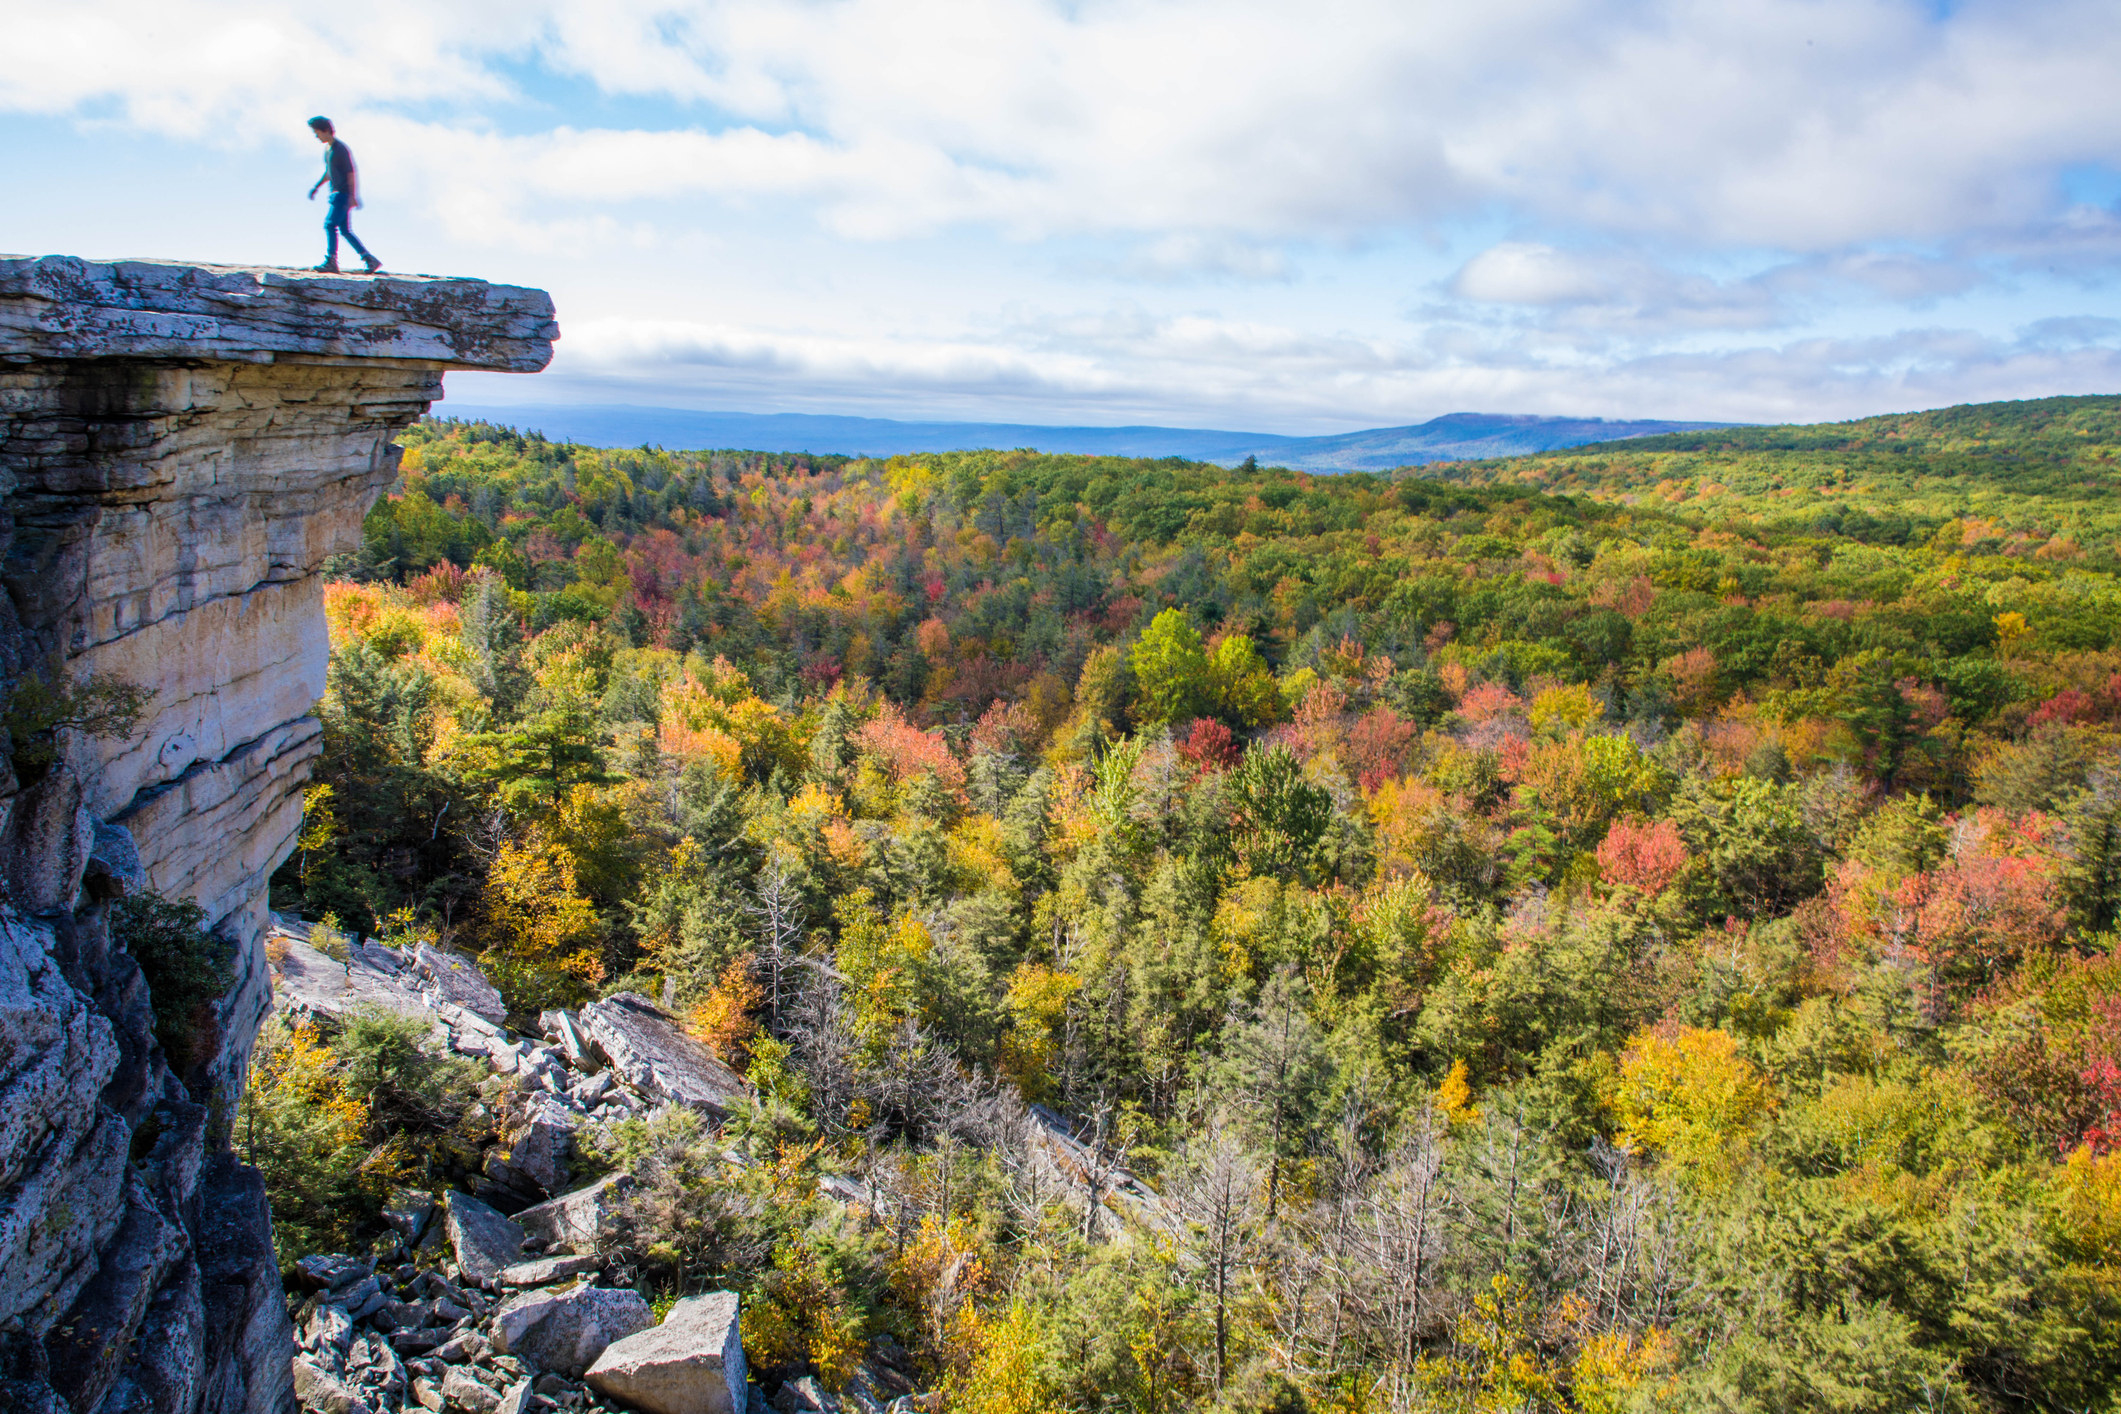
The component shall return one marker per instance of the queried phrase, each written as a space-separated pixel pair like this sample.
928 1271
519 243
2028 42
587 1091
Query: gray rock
876 1383
329 1332
485 1242
427 1394
417 1342
588 1092
311 982
565 1330
195 443
402 1315
536 1153
409 1211
652 1053
693 1363
363 1297
325 1393
245 1322
461 1391
330 1271
373 1362
805 1396
515 1399
575 1222
544 1271
457 981
563 1031
60 307
88 1348
469 1345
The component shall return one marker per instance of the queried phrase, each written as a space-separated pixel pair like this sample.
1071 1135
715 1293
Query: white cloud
1122 364
1800 126
1202 208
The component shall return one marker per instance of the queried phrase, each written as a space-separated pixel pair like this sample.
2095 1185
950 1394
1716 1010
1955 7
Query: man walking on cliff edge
345 182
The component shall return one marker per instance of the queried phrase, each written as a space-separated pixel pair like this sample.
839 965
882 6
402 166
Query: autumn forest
1630 928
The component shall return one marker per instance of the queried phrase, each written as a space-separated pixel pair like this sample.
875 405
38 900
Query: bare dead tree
1402 1233
1217 1194
779 917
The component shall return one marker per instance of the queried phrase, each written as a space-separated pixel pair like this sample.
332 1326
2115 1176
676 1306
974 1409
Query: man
345 182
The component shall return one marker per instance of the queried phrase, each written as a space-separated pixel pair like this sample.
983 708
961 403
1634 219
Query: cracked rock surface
181 448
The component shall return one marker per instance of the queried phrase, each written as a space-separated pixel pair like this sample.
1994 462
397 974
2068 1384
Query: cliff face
181 447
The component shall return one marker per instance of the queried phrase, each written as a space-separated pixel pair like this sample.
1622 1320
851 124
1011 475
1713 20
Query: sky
1301 218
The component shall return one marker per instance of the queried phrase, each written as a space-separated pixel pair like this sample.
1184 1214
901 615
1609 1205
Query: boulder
805 1396
565 1330
362 1298
544 1271
461 1391
457 981
536 1154
309 982
574 1222
322 1392
468 1346
330 1332
330 1271
651 1052
560 1028
485 1242
693 1363
408 1211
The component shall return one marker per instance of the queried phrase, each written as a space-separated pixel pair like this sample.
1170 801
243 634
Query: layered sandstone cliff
181 447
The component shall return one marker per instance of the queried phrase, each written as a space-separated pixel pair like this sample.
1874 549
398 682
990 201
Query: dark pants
339 217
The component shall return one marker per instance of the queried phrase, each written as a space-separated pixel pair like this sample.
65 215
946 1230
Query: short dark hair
322 124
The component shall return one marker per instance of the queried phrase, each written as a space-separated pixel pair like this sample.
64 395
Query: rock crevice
181 448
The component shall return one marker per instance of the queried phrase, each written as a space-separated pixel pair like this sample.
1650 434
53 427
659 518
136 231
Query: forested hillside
1648 947
1959 475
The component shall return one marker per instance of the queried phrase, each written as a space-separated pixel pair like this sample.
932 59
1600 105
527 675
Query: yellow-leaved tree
1687 1093
541 934
1038 998
1004 1376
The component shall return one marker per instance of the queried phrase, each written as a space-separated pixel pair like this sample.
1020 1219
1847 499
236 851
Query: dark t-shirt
338 165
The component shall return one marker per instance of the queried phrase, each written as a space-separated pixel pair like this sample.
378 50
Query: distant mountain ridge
1455 436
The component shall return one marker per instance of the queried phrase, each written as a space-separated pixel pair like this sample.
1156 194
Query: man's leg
334 212
355 242
346 225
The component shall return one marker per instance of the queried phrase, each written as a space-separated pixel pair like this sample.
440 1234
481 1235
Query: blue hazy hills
1456 436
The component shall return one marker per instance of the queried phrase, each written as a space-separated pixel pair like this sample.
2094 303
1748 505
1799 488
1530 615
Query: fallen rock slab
325 1393
537 1149
574 1222
485 1242
693 1363
457 981
544 1271
408 1211
566 1330
651 1052
461 1391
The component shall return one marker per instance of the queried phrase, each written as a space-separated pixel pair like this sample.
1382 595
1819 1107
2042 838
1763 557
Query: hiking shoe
374 265
329 267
